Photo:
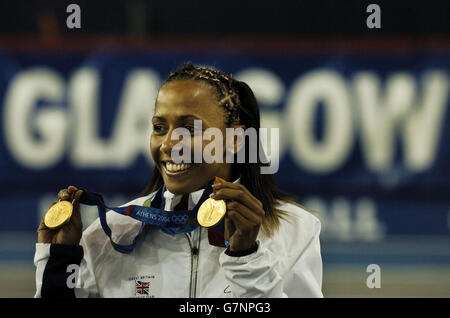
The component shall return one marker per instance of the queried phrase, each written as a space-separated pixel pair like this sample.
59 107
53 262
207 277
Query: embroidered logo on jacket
143 286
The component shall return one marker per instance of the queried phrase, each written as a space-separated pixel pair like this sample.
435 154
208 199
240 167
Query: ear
238 139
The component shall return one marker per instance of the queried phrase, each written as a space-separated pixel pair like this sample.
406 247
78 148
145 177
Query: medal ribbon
171 222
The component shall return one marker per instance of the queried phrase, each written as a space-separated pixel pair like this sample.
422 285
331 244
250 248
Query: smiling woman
178 104
265 246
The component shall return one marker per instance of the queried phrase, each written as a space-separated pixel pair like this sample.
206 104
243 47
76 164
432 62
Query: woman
273 248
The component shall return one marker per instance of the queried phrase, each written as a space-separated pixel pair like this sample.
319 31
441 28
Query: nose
167 144
171 142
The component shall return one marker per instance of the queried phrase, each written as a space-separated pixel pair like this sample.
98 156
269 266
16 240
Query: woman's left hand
244 216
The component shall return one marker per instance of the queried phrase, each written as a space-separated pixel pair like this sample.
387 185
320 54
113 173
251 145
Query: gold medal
58 215
211 212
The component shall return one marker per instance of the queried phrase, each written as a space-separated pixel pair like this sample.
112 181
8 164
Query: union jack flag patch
142 288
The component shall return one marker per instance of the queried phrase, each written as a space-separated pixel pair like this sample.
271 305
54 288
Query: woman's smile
174 170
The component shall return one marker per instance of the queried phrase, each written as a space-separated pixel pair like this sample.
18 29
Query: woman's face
178 104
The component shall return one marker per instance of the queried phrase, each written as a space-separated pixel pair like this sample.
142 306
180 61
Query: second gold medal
211 212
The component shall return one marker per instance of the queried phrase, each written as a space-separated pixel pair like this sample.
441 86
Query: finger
77 196
64 195
250 215
237 195
229 227
240 221
237 186
67 194
72 189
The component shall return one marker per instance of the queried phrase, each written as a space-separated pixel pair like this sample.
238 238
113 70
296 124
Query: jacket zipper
194 242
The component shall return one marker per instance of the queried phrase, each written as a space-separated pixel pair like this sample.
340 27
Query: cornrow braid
223 83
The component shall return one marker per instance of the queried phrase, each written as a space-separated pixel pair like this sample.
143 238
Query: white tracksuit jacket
288 264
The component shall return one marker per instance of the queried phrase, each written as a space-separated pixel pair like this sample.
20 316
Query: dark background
232 17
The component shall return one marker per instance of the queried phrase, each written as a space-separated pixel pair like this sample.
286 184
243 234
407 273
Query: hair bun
187 66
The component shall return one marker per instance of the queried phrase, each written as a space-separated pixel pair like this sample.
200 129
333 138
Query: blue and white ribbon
171 222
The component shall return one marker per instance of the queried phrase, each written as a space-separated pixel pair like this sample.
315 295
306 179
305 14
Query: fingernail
212 195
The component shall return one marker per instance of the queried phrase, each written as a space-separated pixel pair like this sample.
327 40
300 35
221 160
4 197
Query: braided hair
223 83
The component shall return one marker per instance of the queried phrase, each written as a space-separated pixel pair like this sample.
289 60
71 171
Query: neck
184 203
226 173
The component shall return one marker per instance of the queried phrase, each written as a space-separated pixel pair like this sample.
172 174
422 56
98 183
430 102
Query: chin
178 188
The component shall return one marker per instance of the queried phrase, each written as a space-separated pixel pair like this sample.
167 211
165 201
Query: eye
190 128
158 128
194 131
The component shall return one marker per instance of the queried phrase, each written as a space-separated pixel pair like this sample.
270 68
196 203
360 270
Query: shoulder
298 232
298 228
298 216
123 228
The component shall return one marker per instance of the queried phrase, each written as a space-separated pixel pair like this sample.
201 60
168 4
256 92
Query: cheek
216 145
154 148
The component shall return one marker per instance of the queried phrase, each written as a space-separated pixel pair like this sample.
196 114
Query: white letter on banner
330 153
88 150
131 133
423 128
399 110
24 91
380 115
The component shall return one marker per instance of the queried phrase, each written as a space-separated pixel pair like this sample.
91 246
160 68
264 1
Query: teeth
173 167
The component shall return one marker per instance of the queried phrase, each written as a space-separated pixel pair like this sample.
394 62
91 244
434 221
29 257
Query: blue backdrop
364 138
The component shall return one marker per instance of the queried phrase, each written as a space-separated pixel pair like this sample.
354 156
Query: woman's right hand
69 233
